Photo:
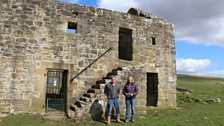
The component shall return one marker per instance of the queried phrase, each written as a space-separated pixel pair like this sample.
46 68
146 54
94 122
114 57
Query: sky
199 30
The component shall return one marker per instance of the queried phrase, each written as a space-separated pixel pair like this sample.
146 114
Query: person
112 91
130 91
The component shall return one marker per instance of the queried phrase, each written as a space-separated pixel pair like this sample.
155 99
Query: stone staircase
54 116
92 103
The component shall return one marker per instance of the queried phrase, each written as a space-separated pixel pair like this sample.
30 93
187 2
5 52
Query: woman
130 91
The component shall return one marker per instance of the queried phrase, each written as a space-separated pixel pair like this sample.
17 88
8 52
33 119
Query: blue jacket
130 89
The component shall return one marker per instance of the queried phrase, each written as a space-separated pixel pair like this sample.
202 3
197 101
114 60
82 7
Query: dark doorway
152 89
125 44
56 90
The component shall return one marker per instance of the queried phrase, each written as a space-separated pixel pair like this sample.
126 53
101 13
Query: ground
196 108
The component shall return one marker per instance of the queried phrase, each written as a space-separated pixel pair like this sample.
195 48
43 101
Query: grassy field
193 109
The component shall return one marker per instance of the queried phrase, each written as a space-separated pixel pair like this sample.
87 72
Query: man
112 91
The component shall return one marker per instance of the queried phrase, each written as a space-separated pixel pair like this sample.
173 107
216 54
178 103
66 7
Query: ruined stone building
58 56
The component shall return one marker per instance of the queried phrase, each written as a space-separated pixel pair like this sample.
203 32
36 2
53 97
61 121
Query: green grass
32 120
193 110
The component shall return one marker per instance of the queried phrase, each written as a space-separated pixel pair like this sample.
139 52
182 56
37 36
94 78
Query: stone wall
34 37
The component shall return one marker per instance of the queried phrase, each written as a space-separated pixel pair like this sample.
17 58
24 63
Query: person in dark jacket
130 91
112 91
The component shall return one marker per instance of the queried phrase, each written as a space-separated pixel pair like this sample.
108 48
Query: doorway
152 89
125 44
56 90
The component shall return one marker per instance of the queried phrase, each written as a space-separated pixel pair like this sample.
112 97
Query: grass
32 120
193 110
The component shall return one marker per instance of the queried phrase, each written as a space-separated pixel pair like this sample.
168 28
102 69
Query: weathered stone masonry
34 39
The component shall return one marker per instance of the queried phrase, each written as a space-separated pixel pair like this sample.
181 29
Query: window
72 27
125 44
153 41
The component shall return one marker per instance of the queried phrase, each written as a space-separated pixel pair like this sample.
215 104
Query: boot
108 120
118 119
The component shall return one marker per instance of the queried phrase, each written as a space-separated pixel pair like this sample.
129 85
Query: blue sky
92 3
199 29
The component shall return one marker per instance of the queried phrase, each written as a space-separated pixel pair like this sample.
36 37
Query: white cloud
118 5
198 21
192 66
219 73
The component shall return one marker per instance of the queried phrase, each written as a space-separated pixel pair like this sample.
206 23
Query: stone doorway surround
38 103
56 90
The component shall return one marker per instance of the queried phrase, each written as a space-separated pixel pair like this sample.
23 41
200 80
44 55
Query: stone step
110 77
119 68
92 90
71 113
81 103
3 115
78 104
107 77
118 72
54 116
98 86
125 69
86 99
115 72
89 95
73 107
106 81
54 113
103 81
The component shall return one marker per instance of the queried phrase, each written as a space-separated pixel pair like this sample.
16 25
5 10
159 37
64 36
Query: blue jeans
130 102
113 102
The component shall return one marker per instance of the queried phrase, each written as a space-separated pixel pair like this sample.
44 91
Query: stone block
21 105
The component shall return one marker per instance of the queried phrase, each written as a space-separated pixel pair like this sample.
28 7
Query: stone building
58 56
